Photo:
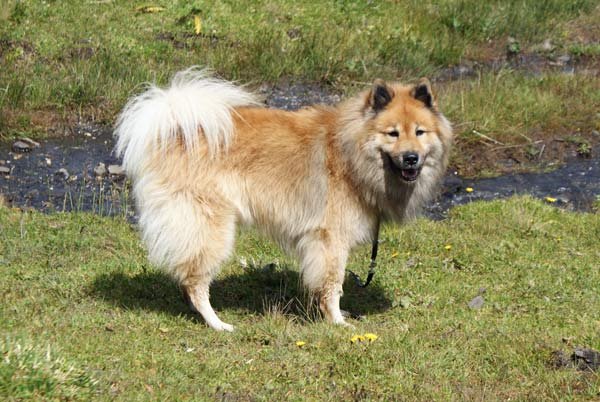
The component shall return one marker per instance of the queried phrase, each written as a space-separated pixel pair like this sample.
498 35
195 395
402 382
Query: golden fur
204 157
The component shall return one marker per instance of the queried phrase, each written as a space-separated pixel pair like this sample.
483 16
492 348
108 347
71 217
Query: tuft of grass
28 372
82 285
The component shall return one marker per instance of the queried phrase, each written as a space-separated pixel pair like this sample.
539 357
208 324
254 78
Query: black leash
373 263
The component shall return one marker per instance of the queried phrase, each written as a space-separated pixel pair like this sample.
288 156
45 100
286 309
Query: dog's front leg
323 262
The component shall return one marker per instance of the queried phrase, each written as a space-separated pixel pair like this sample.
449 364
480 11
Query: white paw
221 326
341 322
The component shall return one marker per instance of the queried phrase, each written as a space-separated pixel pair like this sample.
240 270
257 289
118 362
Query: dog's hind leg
196 274
193 235
322 265
196 292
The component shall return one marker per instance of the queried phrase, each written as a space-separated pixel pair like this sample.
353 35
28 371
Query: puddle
38 180
59 175
575 186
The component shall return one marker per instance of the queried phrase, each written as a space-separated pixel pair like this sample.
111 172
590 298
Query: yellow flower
448 247
550 199
197 24
357 338
469 189
300 343
395 254
371 337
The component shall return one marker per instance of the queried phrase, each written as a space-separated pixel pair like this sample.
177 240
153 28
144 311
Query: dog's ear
379 97
422 92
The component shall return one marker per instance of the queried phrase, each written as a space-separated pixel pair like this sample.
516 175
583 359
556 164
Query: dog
204 156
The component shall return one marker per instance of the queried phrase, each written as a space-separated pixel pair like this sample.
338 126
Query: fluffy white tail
194 104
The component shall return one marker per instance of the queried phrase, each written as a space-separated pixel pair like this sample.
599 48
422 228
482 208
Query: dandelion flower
300 343
550 199
469 189
357 338
448 247
371 337
395 254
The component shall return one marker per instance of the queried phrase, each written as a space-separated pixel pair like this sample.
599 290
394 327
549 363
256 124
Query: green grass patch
86 58
511 115
79 287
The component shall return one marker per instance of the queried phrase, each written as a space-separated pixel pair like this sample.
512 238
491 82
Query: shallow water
36 181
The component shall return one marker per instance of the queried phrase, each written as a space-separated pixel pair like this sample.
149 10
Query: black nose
410 159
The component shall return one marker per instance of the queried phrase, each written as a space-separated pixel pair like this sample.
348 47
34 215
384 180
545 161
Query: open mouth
407 174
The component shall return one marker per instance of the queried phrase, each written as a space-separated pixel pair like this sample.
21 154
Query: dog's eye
419 132
393 133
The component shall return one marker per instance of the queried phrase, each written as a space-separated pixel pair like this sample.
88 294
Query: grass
507 115
85 316
67 59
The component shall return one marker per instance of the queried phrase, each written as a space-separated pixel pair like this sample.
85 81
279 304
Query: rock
564 59
596 133
100 169
586 359
48 162
583 359
476 303
4 170
30 142
62 172
21 146
116 170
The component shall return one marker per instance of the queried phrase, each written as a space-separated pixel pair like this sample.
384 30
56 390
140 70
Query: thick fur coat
204 156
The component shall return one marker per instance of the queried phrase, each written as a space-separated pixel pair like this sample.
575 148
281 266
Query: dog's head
400 142
406 129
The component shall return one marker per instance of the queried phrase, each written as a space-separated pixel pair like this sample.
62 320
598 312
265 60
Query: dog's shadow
257 290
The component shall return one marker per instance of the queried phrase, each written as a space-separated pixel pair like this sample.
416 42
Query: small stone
5 170
564 59
596 133
586 359
476 303
63 172
116 170
100 169
30 142
21 146
48 161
